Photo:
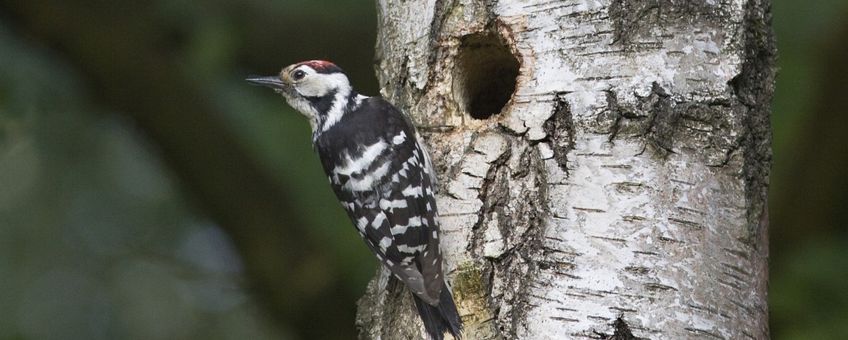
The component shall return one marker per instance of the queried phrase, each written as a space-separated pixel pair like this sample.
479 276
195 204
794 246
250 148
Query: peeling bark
619 192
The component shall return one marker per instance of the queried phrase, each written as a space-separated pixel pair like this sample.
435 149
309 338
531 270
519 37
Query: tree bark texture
603 164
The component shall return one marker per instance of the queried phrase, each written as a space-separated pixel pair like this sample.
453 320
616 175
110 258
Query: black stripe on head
322 66
324 103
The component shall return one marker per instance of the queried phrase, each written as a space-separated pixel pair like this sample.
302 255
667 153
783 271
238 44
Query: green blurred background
102 238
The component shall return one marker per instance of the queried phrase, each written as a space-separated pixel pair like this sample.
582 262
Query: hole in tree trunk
484 76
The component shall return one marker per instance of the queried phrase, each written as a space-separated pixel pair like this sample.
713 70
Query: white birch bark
619 193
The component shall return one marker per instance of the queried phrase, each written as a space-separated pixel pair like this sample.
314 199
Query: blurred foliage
95 241
100 240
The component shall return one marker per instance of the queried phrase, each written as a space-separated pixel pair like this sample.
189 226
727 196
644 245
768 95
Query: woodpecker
383 177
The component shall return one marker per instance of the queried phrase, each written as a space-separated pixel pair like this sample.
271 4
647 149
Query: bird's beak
273 82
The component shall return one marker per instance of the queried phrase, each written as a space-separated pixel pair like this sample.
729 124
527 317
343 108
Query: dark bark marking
441 14
621 331
659 287
753 88
493 192
691 224
635 19
517 264
620 115
560 131
668 125
704 332
637 270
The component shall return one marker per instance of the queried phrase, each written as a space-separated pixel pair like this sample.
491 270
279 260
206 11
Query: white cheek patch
319 84
311 88
305 108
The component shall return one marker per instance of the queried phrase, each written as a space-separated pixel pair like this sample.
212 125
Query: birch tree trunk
603 164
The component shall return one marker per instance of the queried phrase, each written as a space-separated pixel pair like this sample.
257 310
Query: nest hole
484 76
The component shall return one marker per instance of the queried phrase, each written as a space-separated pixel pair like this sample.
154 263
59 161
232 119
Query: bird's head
317 89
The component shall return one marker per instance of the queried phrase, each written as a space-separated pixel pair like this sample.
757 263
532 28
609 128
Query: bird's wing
387 189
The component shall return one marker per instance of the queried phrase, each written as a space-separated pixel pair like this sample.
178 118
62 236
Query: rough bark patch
668 125
754 87
633 19
485 75
560 132
472 293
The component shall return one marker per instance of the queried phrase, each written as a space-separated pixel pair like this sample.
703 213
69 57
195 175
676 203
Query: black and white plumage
383 178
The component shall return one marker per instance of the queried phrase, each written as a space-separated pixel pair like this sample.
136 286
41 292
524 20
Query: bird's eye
298 75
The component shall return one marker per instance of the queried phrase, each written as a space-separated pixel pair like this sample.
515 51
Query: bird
382 174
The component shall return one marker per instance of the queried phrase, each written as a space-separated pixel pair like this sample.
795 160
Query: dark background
127 133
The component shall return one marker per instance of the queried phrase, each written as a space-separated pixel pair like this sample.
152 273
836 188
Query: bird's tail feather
441 318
